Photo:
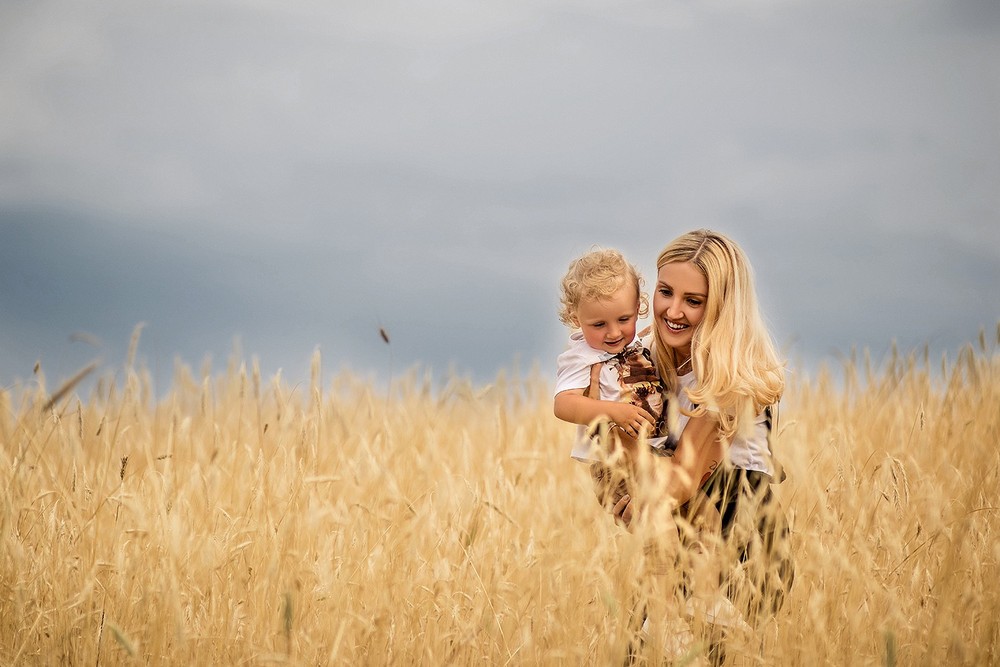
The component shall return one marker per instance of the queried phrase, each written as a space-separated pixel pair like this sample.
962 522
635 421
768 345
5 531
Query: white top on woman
749 450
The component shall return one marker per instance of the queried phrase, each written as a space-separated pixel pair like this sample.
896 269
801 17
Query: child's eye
625 319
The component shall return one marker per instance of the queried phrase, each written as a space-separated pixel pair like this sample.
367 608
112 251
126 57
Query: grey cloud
302 174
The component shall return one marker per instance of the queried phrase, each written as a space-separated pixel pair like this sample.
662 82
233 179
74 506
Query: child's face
679 304
609 324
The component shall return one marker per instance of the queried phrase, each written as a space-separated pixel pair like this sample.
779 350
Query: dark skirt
756 533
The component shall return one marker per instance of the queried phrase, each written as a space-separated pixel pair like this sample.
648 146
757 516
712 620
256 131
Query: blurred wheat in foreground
239 520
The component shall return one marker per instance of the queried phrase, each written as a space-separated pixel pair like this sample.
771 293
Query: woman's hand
622 511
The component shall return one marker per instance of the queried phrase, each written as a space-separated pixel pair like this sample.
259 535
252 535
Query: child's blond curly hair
597 275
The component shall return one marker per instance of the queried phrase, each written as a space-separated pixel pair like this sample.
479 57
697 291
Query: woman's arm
698 454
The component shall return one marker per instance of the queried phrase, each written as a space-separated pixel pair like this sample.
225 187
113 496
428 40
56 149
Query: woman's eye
664 291
694 302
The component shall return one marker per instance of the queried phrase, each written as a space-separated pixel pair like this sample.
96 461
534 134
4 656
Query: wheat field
239 520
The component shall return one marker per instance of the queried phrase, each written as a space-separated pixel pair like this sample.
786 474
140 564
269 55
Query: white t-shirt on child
573 372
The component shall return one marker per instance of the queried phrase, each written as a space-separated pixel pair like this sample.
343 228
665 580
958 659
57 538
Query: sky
280 177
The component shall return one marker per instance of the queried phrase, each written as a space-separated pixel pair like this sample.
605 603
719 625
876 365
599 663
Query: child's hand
630 418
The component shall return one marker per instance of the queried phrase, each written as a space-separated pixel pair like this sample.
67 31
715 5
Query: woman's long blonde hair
735 362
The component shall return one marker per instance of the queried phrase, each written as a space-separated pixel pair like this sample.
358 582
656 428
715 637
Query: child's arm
572 406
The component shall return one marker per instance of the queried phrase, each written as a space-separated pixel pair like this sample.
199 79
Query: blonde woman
606 384
717 359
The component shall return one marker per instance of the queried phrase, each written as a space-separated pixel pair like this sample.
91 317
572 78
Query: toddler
605 379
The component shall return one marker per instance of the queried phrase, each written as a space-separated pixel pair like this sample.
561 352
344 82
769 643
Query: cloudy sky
298 174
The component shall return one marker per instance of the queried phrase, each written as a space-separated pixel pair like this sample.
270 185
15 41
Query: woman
716 358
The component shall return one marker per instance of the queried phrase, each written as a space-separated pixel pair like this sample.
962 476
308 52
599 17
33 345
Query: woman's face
679 304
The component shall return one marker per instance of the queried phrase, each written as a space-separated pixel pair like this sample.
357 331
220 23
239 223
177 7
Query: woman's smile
676 326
